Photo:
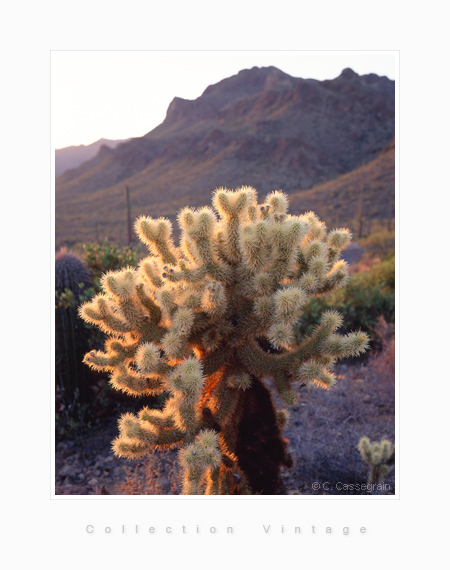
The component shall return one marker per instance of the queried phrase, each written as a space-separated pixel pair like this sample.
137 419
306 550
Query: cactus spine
206 321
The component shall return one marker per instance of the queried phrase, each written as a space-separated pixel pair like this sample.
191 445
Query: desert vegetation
212 445
253 310
322 142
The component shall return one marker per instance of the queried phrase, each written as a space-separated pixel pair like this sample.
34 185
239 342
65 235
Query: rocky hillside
369 189
260 127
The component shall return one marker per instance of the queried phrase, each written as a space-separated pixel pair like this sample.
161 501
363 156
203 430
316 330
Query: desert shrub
380 243
382 362
108 257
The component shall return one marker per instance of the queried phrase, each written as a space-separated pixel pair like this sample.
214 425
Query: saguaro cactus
208 320
71 335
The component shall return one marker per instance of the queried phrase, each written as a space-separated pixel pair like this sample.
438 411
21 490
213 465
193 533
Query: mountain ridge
261 128
70 157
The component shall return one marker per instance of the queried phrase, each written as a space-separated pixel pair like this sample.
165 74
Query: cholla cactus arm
208 320
201 461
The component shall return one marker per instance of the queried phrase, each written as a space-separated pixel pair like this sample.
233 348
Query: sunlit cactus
380 457
206 321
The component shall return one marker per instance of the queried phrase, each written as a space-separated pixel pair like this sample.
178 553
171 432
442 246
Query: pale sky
117 95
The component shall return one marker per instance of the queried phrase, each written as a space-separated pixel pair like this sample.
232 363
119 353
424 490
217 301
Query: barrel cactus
70 273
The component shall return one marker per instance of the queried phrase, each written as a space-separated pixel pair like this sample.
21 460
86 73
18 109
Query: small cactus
380 456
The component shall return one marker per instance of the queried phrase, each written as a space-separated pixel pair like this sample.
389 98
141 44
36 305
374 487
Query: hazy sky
117 95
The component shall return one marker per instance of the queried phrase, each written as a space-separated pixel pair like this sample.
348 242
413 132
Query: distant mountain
72 156
261 128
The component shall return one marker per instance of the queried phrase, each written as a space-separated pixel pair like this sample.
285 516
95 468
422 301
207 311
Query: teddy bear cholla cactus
207 320
380 456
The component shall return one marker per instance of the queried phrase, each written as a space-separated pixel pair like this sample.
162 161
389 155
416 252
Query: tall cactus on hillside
207 321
